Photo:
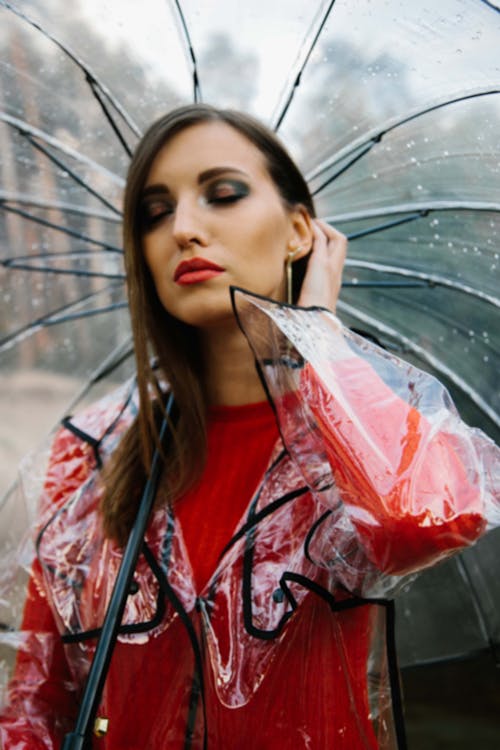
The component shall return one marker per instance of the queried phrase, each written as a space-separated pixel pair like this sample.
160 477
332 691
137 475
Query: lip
195 270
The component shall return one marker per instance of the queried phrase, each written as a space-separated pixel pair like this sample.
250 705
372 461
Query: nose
188 224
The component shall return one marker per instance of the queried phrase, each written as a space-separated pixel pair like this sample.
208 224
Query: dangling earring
289 260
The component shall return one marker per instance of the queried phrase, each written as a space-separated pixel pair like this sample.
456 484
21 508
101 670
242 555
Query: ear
301 231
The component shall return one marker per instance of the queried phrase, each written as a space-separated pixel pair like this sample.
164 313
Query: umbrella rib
429 278
70 208
303 57
79 180
385 284
368 147
57 227
16 266
371 139
119 355
483 620
34 325
429 358
421 208
187 39
53 321
96 89
68 255
490 5
386 225
91 79
24 127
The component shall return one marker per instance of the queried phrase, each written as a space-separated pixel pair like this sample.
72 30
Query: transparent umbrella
391 109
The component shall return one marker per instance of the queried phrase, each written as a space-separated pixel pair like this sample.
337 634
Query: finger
335 239
334 243
323 278
330 239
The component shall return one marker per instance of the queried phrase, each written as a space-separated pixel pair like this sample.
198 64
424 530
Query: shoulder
84 442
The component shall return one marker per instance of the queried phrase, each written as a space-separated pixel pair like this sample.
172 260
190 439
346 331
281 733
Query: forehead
205 145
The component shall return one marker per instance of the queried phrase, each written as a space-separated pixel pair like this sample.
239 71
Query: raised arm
415 483
412 486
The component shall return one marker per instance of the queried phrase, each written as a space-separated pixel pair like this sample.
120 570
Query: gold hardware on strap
101 725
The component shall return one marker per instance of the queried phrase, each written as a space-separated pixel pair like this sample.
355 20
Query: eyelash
225 198
149 220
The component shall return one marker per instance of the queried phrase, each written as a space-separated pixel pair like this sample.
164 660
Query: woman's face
212 217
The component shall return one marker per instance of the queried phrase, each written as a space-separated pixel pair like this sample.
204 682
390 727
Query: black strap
79 737
198 687
394 681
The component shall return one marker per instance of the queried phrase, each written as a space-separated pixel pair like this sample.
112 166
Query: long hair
173 344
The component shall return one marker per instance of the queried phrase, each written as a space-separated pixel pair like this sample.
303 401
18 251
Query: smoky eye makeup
152 209
226 191
223 191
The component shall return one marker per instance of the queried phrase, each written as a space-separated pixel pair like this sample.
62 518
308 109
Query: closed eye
154 210
226 191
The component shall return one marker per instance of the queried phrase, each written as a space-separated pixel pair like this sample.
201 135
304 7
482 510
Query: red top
322 661
240 440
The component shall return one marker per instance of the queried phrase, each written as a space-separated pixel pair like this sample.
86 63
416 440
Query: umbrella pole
79 739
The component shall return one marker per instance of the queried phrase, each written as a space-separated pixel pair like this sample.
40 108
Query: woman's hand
321 285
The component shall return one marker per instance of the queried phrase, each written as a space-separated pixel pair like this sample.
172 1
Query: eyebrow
208 174
204 176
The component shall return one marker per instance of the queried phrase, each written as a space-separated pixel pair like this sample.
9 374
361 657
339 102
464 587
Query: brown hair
173 343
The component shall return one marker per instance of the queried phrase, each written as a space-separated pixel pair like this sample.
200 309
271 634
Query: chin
204 314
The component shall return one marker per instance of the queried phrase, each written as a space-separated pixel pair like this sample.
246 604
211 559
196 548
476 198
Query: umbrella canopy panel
392 110
405 159
452 611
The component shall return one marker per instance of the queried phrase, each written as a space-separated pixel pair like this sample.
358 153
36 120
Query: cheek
156 259
269 242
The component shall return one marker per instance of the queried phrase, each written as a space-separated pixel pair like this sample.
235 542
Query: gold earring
289 260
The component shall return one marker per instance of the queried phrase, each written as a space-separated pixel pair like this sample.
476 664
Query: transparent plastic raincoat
375 476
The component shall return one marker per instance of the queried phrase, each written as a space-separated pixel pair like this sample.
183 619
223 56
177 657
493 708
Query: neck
230 375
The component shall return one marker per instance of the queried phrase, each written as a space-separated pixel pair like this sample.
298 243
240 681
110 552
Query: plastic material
284 647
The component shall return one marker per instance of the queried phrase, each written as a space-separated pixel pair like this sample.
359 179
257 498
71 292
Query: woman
256 614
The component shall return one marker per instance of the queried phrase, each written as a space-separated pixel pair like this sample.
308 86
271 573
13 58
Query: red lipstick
195 270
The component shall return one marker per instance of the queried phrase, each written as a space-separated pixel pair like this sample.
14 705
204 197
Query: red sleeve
404 484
